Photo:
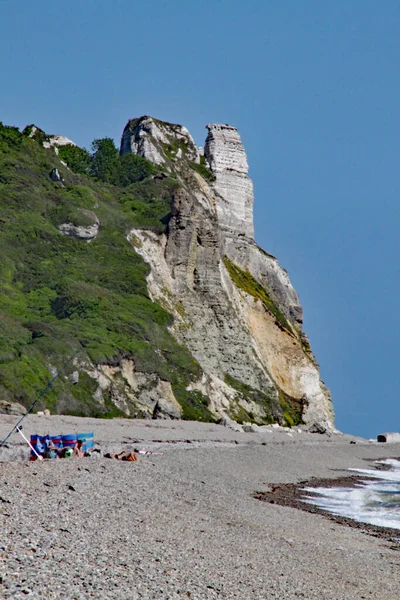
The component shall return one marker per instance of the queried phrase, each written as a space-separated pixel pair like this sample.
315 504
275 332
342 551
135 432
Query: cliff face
228 162
234 307
150 271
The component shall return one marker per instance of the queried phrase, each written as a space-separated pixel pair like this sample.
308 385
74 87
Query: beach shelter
40 444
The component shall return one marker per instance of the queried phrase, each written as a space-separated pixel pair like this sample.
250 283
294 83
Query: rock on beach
182 521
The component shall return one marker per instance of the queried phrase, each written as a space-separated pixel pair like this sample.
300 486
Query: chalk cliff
234 307
141 265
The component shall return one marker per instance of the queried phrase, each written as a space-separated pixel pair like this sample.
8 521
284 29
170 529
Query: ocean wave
376 502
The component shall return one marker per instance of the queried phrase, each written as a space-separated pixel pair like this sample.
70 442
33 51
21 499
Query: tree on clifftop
133 168
105 160
104 163
77 159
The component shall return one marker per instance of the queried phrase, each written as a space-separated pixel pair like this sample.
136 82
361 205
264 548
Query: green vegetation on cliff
281 409
77 159
270 405
58 293
202 169
246 282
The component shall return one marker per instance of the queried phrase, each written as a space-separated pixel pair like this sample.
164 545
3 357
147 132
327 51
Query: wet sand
292 494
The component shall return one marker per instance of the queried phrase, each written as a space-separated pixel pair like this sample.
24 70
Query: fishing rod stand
18 428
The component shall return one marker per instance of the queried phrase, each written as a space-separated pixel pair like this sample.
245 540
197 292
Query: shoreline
184 523
291 494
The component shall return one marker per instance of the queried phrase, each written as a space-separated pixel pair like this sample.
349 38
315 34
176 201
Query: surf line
17 428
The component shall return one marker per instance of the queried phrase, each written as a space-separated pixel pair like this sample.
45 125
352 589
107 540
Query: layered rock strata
234 306
227 159
228 162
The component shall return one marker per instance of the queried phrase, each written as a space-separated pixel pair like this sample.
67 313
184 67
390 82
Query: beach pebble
183 521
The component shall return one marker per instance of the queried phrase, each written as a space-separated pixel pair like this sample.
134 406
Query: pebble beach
183 520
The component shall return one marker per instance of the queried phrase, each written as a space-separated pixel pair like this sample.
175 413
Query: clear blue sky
314 88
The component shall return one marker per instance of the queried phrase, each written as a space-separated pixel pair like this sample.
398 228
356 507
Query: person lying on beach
53 452
124 455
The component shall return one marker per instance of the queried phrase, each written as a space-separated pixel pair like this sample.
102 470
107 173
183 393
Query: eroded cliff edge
141 265
234 307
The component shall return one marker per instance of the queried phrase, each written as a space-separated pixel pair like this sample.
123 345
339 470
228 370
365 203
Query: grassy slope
246 282
59 293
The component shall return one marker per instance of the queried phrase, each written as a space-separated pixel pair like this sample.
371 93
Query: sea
375 502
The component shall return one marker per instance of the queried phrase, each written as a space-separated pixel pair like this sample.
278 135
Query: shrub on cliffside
58 293
133 168
105 160
77 159
106 164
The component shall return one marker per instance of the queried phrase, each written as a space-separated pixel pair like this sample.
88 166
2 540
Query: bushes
148 203
78 159
194 405
284 409
57 293
108 166
9 135
133 168
105 163
269 404
203 169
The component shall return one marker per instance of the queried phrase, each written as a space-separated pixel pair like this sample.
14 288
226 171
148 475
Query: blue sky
314 89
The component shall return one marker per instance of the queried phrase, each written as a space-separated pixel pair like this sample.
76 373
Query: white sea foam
374 502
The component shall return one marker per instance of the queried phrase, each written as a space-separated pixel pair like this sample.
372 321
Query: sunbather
53 452
124 455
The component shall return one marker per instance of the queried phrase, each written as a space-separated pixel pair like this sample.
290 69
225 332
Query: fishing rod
17 427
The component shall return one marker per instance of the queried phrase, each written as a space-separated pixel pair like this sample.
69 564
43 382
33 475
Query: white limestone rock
56 176
186 276
140 138
48 141
234 202
229 331
54 141
233 425
74 377
251 428
224 149
80 232
228 162
158 141
167 406
133 392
